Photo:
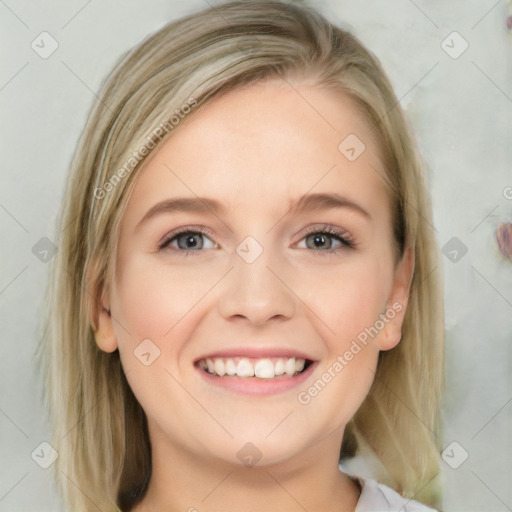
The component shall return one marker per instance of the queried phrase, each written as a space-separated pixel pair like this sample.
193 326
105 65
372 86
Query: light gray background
461 109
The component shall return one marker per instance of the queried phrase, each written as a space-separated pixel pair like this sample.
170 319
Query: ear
397 302
101 320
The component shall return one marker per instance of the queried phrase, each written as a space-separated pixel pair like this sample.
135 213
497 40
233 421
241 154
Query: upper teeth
244 367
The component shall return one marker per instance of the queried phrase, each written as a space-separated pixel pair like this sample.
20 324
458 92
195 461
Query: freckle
509 22
504 237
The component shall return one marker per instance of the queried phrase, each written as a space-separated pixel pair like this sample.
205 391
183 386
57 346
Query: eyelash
325 229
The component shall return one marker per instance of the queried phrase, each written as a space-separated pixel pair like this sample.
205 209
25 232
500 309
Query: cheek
350 299
145 305
156 302
349 306
157 311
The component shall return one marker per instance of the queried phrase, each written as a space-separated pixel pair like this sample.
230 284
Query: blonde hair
99 428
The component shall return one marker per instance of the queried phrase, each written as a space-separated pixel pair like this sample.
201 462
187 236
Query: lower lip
255 385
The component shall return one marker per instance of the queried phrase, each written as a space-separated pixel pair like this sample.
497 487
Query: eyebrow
313 202
183 204
306 203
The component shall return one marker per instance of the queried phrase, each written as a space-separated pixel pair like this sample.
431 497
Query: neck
312 481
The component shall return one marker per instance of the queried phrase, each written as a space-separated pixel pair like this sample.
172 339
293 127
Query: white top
376 497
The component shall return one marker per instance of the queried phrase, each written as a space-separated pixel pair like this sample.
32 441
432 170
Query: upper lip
257 353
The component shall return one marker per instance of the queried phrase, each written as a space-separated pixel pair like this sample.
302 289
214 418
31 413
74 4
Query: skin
254 150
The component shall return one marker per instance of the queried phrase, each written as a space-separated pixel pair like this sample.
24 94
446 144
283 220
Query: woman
245 287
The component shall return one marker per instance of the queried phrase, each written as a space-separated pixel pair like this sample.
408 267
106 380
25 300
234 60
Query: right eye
186 240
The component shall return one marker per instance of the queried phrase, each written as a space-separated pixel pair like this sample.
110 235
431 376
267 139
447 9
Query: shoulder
376 497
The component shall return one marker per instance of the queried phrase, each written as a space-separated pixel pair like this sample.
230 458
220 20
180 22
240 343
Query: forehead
262 146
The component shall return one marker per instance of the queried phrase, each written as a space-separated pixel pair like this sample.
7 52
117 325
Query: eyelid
346 238
184 229
343 235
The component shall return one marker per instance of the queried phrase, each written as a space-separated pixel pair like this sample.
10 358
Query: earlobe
105 335
396 306
103 326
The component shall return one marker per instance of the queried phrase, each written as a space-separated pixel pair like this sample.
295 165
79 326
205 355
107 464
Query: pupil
319 240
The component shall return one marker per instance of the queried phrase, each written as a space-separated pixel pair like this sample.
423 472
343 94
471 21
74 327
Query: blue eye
324 239
321 240
187 240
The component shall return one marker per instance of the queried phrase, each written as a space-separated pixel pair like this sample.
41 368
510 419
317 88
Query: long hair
99 428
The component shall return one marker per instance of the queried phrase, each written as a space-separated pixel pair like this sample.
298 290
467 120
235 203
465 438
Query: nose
257 291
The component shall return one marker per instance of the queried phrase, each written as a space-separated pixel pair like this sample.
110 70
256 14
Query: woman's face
295 266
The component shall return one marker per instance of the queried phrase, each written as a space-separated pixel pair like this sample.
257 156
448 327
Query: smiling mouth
250 368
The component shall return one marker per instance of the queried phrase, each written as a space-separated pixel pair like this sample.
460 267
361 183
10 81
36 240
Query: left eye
323 240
